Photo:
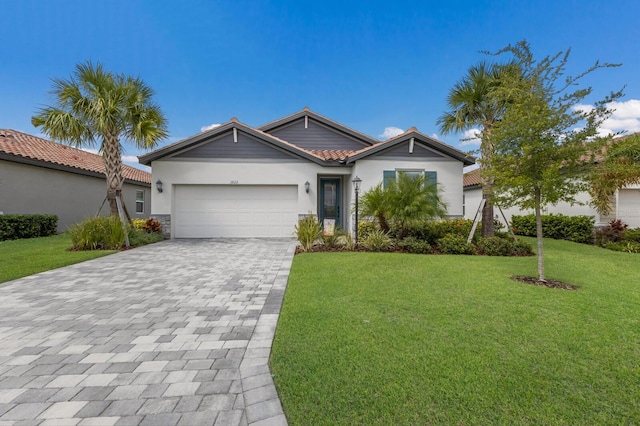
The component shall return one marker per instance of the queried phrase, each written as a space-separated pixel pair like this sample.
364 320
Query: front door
330 211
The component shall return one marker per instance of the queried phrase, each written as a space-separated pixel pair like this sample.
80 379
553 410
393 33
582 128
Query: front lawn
19 258
384 338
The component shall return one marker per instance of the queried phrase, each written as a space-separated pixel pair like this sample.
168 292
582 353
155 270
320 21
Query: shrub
308 230
455 244
140 237
335 240
365 228
152 225
521 248
495 246
557 226
348 242
432 231
414 245
98 233
625 246
615 231
138 223
377 240
16 226
632 235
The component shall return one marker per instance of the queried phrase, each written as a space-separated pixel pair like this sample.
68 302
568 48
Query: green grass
19 258
380 338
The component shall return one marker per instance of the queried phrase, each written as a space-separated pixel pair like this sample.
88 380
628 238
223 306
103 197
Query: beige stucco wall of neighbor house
449 177
294 172
29 189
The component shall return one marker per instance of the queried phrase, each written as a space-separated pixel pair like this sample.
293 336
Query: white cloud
471 137
390 132
209 127
625 117
435 136
91 150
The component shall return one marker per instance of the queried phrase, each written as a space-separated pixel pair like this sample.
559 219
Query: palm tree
405 201
619 167
95 105
471 105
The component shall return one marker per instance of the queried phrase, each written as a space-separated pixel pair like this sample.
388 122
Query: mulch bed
545 283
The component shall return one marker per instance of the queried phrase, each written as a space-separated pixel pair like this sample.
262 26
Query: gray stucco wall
28 189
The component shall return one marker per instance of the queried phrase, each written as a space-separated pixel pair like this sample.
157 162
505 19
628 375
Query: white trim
411 141
235 135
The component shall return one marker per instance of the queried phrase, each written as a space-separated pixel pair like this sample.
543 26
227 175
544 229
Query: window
390 175
139 202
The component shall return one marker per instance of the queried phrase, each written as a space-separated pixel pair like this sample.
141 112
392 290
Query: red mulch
545 283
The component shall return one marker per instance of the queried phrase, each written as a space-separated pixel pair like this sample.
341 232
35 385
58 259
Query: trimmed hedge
17 226
557 226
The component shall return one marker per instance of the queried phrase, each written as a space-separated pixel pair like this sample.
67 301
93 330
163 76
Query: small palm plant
404 202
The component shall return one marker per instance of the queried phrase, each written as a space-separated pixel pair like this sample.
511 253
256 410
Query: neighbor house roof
18 145
472 179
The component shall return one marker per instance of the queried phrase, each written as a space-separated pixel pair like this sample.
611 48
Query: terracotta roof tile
332 154
28 146
471 178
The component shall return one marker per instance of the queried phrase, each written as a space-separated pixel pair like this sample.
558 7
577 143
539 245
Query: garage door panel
208 211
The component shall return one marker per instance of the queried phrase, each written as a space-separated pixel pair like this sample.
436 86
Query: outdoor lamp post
356 186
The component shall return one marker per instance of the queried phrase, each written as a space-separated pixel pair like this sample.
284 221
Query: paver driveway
176 333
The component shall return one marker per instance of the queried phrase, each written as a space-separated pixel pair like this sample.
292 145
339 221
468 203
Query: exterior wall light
159 185
307 185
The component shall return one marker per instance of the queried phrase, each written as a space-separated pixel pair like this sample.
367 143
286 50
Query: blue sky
370 65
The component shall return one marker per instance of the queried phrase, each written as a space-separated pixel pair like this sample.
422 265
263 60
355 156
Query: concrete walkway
176 333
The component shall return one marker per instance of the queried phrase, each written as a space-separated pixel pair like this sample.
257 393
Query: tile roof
27 146
471 178
333 154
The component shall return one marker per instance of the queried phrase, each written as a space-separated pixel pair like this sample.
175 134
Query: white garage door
629 207
209 211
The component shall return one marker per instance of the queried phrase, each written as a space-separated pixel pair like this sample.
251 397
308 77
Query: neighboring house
241 181
38 176
625 205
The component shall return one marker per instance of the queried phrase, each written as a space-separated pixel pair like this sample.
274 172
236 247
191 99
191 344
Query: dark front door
330 210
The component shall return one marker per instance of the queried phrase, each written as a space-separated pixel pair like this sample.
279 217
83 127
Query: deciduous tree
541 145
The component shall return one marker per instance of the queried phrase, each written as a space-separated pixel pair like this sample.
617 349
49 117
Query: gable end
246 147
310 134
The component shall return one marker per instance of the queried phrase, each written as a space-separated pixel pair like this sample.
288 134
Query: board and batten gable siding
448 173
247 147
316 136
402 151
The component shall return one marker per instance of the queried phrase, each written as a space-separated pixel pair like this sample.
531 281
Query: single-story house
236 180
38 176
625 205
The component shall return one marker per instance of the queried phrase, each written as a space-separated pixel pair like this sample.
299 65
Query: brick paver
176 333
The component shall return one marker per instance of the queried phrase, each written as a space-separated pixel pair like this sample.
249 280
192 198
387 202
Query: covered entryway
210 211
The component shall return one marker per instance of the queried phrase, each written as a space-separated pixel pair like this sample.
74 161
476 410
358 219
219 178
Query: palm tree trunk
113 170
539 236
488 228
